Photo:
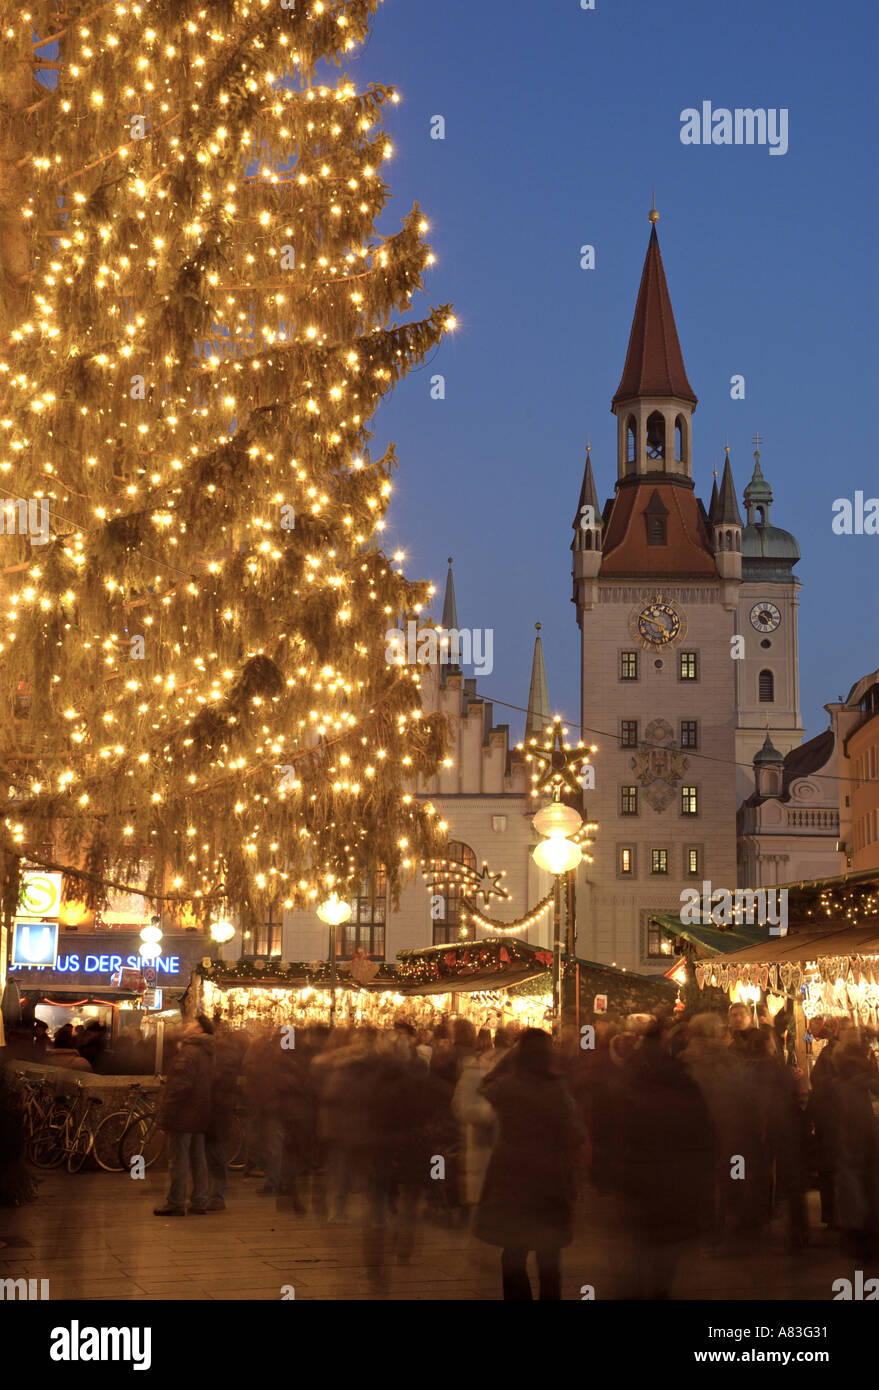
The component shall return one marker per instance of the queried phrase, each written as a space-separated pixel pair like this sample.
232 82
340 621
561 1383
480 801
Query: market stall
825 964
485 981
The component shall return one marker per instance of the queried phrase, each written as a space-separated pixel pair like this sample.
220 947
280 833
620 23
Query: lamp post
334 912
558 855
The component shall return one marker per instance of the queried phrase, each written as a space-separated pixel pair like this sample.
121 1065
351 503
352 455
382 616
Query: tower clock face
658 623
765 617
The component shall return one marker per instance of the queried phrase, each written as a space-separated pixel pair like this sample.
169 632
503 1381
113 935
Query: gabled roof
688 551
654 361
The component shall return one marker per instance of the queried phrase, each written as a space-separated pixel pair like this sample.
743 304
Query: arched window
679 439
767 687
738 540
729 540
587 540
365 930
631 440
656 436
448 918
761 516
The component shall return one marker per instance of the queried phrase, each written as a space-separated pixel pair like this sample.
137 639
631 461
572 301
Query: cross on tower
758 440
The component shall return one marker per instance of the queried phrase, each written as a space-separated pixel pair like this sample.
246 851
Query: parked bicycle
67 1132
130 1132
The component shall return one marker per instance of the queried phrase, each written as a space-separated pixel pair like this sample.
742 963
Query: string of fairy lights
211 321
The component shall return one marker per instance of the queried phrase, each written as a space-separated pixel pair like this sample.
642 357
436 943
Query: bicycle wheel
108 1140
48 1149
80 1147
142 1140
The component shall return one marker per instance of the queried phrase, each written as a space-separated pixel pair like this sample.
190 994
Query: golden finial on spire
715 470
653 215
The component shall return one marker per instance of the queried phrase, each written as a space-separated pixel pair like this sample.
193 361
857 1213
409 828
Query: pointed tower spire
712 505
539 715
654 361
588 494
588 531
727 511
450 607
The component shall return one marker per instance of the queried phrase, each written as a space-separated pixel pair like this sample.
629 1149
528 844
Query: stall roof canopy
801 946
823 918
715 940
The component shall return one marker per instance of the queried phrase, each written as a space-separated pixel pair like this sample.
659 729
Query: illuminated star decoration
558 763
443 872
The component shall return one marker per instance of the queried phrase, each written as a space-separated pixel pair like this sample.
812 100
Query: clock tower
767 677
656 588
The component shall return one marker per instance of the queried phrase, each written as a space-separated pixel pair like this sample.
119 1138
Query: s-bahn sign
39 895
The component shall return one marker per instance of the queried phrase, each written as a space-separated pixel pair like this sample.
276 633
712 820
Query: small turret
588 529
768 769
726 526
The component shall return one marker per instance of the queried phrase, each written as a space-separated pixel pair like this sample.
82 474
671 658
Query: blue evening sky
558 123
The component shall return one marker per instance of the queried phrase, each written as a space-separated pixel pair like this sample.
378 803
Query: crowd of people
79 1046
672 1131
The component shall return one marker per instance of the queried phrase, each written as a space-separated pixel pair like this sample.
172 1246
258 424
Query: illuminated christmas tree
200 320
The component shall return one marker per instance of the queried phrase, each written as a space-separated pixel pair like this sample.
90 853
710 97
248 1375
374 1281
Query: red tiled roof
688 551
654 362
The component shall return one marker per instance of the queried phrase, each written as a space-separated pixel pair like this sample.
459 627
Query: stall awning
715 940
798 947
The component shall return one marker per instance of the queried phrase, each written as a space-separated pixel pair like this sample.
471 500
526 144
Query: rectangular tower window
628 666
689 801
689 733
629 733
692 858
689 666
627 860
628 801
659 861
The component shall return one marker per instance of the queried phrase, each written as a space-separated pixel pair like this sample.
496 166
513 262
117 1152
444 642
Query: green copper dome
771 551
768 753
758 489
769 543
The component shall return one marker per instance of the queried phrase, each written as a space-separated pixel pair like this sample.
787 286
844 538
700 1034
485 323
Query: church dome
769 543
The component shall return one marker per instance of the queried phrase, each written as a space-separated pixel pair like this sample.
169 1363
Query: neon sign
106 964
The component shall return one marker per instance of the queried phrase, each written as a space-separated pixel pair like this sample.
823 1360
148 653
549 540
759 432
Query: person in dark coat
856 1146
185 1115
229 1050
664 1167
527 1200
93 1044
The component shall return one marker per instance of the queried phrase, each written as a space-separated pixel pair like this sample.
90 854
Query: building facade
687 618
855 721
789 825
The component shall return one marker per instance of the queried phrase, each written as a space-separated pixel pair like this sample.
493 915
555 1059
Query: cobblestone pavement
94 1236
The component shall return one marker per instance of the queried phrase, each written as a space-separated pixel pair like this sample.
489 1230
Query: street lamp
334 912
558 854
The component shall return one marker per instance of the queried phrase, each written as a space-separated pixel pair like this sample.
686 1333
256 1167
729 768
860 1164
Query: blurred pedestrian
185 1115
528 1196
